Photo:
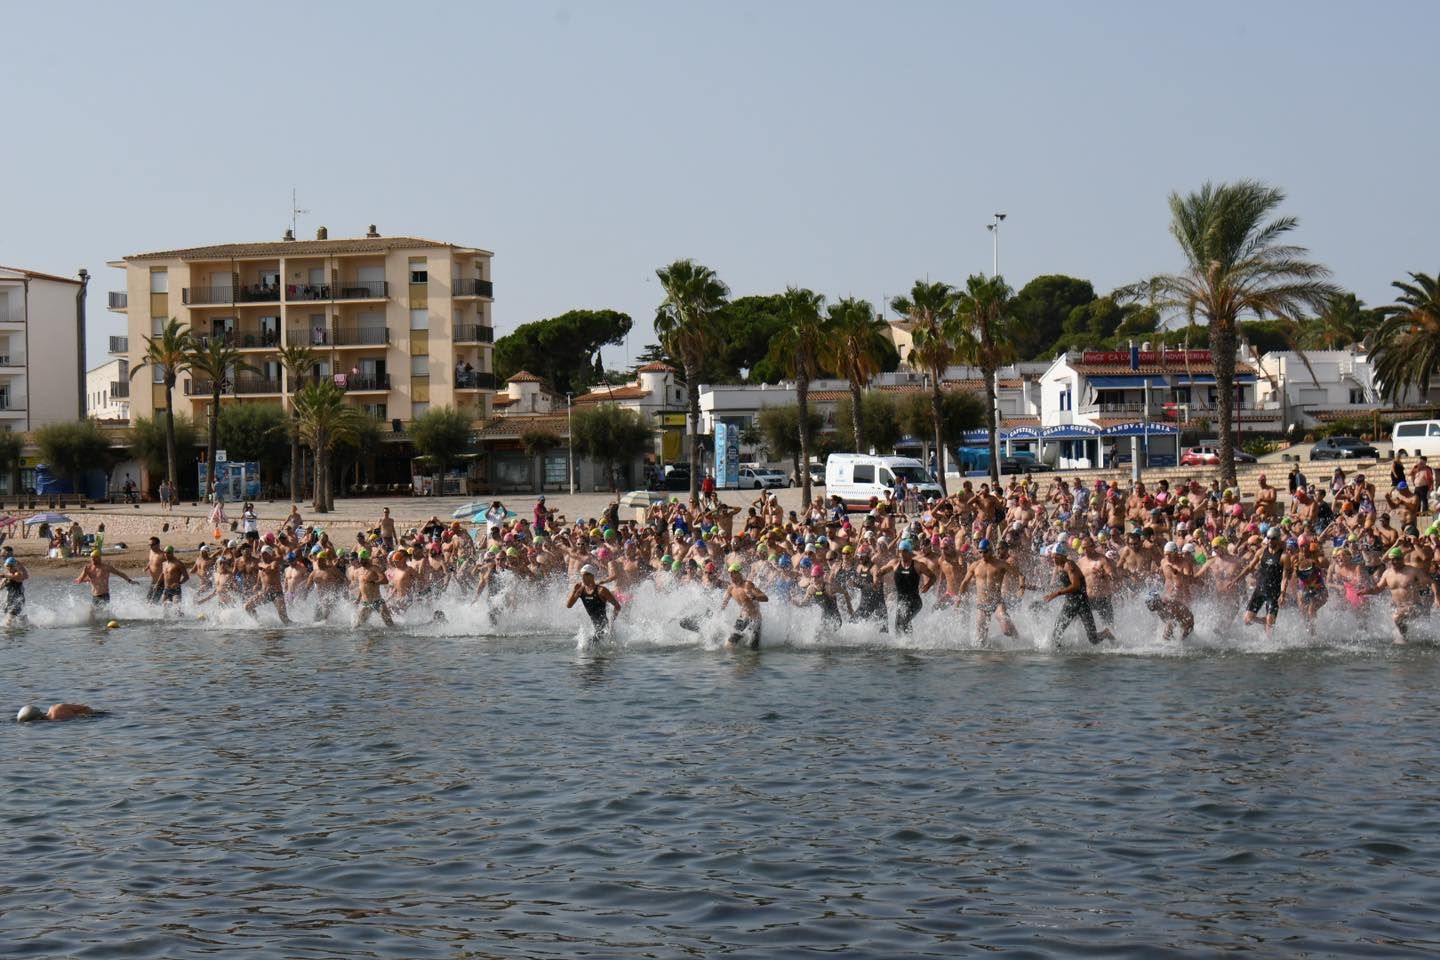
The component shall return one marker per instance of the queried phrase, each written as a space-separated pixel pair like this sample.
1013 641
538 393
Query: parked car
817 476
1343 448
676 477
756 478
1209 456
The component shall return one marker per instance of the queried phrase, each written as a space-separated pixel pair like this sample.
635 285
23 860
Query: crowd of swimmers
1079 547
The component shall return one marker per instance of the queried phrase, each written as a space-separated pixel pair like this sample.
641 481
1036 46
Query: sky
847 147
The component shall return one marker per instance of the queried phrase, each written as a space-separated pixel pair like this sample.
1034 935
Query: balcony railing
119 344
119 389
253 385
301 292
362 290
205 388
119 300
474 333
1158 407
11 360
360 336
470 287
361 381
199 296
474 380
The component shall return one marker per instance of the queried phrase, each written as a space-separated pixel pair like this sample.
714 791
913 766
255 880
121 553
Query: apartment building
400 323
107 390
42 348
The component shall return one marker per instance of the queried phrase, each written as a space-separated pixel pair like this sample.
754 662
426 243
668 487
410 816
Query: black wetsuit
907 596
830 617
14 598
594 605
1269 576
1077 607
872 599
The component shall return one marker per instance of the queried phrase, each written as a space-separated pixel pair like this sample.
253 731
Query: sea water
502 788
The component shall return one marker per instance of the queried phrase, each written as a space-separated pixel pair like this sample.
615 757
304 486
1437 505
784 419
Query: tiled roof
511 427
630 391
503 401
36 274
656 367
1019 421
294 248
524 376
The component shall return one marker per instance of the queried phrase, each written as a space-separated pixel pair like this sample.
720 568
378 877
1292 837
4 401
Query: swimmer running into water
594 598
97 573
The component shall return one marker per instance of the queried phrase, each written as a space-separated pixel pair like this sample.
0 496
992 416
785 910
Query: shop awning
1111 383
1070 431
1140 430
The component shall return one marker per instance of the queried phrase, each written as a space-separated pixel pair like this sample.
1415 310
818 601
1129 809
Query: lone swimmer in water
594 598
58 711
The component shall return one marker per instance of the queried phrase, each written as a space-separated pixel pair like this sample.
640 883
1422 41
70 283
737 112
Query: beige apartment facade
400 323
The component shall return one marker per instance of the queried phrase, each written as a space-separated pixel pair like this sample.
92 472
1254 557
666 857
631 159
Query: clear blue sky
846 147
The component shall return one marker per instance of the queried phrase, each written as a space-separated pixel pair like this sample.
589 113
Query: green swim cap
1395 553
667 560
511 552
364 554
735 568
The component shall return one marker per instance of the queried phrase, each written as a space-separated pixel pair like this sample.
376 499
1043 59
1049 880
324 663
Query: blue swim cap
1059 550
1264 529
784 560
906 544
1292 544
806 562
290 557
984 544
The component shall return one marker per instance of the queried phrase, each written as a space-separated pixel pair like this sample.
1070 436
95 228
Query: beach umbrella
50 518
468 509
480 517
641 498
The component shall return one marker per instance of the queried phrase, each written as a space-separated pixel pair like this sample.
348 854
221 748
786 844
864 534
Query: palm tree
1343 323
1236 265
298 361
796 348
683 322
929 308
1407 342
215 360
325 419
854 346
984 335
169 352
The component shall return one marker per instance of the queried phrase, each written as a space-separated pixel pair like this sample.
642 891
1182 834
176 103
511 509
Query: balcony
474 333
211 296
120 345
1158 409
360 382
248 386
205 388
12 360
472 288
119 300
360 336
243 339
119 389
362 290
475 380
307 292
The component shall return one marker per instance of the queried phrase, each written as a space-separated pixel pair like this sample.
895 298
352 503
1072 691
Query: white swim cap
590 569
28 713
1171 547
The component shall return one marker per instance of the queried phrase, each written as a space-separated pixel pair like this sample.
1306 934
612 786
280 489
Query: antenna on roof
295 211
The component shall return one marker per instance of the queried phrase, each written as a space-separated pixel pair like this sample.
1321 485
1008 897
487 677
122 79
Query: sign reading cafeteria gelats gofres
1122 357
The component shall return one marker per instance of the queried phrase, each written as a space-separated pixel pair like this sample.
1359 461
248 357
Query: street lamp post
570 437
994 228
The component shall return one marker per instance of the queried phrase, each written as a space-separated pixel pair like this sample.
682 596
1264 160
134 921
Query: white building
1327 385
42 348
107 390
1096 404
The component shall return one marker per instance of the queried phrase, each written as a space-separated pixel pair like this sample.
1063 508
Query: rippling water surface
457 791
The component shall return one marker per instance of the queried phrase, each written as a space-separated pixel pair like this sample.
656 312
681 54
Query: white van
856 477
1416 438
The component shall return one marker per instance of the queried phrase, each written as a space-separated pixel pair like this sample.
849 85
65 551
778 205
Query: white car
756 478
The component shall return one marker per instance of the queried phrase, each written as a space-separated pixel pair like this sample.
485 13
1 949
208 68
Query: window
1410 430
159 281
555 470
864 473
1182 394
157 325
270 278
1357 395
418 409
376 410
1065 399
157 374
420 366
419 271
419 319
1435 429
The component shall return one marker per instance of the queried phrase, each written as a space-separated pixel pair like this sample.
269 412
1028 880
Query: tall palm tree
325 419
1343 323
169 352
683 322
796 348
984 335
854 346
929 308
215 360
1236 265
1407 342
298 360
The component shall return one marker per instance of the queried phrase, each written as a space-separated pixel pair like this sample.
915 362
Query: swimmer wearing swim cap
57 712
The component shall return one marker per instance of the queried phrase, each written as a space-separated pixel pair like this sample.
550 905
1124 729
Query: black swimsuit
594 605
907 596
